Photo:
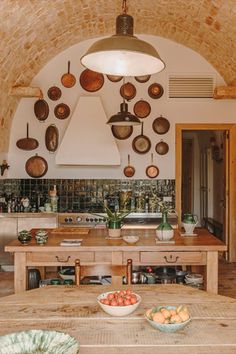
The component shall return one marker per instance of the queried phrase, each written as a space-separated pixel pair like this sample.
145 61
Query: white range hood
88 140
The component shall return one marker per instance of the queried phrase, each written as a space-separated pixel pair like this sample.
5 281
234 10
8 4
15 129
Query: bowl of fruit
168 318
119 303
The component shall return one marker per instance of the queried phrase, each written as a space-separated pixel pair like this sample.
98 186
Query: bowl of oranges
119 303
168 318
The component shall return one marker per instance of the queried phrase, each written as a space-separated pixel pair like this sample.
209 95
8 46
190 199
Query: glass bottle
164 231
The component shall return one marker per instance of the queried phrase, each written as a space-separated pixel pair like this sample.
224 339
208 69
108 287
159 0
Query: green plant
113 219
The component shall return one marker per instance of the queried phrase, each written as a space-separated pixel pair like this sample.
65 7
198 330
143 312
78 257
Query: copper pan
142 109
68 80
161 125
91 81
122 132
155 90
27 143
36 166
143 78
129 170
114 78
128 91
62 111
162 148
41 110
141 143
54 93
51 138
152 171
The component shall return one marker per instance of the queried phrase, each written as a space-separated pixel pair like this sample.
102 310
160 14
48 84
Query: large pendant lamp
123 54
124 117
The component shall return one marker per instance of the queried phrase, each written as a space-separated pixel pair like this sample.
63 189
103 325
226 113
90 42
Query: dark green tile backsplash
84 195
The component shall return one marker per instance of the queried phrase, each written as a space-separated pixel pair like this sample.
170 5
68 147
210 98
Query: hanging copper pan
129 170
54 93
62 111
161 125
142 109
91 81
122 132
128 91
27 143
141 143
68 80
162 148
41 110
143 78
155 90
36 166
51 138
152 171
114 78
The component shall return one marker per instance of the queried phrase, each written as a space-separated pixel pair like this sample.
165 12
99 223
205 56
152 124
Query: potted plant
114 221
164 231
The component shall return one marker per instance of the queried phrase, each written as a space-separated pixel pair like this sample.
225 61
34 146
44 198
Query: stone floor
227 280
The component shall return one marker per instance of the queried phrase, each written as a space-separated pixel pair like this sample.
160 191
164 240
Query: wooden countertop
74 310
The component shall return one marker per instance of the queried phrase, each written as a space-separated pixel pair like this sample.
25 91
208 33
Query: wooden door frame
230 176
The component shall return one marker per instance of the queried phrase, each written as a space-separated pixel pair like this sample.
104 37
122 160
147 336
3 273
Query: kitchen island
97 248
74 310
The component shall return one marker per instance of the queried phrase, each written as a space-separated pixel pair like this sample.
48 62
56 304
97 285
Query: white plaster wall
178 59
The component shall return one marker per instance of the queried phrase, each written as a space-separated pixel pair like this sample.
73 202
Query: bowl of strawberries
119 303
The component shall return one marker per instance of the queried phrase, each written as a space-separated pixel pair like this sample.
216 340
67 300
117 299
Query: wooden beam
26 91
225 92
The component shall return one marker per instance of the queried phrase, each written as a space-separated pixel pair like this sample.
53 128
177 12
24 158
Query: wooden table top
74 310
97 239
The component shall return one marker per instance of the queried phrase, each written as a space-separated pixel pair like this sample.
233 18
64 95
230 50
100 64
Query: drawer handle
170 260
63 260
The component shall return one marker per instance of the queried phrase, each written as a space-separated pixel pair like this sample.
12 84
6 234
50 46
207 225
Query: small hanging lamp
123 54
124 117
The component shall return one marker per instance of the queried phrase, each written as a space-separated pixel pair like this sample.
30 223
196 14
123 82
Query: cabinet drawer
163 258
58 258
103 257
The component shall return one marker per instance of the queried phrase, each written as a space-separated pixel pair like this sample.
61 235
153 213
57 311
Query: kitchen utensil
36 166
141 143
128 91
41 110
155 90
68 80
114 78
54 93
27 143
51 138
143 78
122 132
62 111
129 170
91 81
152 171
34 278
160 125
162 148
142 109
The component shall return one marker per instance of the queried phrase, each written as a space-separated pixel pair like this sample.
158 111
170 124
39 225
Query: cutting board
71 230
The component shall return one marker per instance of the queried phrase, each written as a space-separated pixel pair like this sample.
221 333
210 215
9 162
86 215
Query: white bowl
118 311
67 273
131 239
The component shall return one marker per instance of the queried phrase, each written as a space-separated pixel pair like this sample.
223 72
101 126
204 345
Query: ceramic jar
189 223
164 231
41 237
24 237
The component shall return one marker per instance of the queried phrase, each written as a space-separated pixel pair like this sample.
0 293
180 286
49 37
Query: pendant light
123 54
124 117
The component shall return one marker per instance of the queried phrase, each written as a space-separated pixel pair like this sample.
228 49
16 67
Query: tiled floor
227 280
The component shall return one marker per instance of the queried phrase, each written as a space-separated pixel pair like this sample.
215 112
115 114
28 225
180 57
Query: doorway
187 179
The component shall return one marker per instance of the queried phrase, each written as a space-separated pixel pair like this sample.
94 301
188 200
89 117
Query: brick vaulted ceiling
32 32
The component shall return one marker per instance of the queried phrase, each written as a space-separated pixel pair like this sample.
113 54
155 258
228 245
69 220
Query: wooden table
97 248
75 311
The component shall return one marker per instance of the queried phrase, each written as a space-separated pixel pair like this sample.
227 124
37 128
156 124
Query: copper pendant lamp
123 117
123 54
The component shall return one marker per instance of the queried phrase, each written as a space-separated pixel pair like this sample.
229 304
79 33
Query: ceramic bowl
41 237
167 327
131 239
24 237
118 311
67 274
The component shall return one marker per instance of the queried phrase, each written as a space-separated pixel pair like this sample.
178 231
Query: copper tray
54 93
41 109
162 148
51 138
114 78
62 111
122 132
91 81
155 90
143 78
142 109
36 166
161 125
128 91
